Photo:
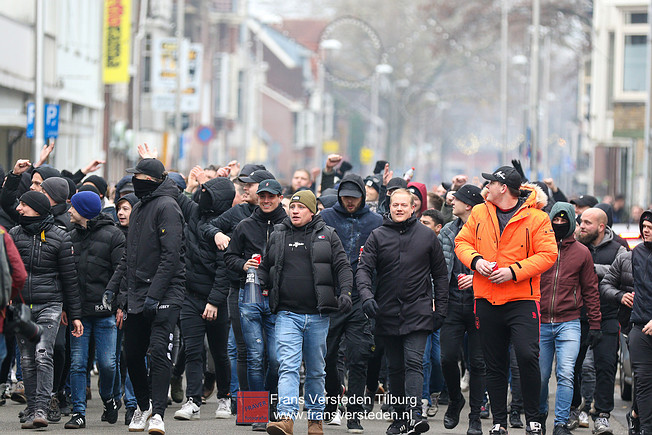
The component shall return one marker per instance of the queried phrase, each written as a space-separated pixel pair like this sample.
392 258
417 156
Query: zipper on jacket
31 269
554 288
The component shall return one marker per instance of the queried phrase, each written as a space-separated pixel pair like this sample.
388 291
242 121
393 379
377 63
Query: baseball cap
396 183
469 194
269 185
248 169
152 167
257 176
349 188
506 175
585 201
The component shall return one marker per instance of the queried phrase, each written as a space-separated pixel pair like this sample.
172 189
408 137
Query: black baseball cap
506 175
396 183
257 176
248 169
152 167
469 194
349 188
269 185
585 201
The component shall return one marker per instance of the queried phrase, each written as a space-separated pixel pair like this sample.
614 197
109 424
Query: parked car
629 232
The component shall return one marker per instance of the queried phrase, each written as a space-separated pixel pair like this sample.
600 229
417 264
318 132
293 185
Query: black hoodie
153 262
642 271
205 269
250 237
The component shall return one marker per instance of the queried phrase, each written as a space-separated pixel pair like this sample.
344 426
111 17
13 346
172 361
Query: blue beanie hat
88 204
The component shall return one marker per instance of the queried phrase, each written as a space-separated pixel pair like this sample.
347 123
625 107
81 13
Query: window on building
637 18
634 63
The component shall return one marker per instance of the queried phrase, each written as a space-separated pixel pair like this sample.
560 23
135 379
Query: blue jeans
258 325
105 332
301 336
563 340
3 348
232 349
433 378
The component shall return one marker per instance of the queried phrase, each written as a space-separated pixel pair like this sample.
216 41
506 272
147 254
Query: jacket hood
647 215
120 185
130 198
221 191
357 180
100 220
166 188
533 194
328 201
424 194
570 210
609 211
608 237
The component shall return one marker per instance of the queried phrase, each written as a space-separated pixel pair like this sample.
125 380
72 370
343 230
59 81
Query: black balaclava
205 201
561 230
142 188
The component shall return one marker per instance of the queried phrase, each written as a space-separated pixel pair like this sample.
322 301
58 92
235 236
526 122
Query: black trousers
358 342
405 366
605 357
517 322
374 366
461 320
640 352
154 340
61 358
193 329
234 316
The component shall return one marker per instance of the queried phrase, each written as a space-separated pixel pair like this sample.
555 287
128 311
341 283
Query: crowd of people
330 297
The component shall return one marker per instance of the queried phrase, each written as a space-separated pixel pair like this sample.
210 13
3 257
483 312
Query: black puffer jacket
153 262
330 265
205 269
46 251
98 250
61 217
447 239
405 255
618 281
250 237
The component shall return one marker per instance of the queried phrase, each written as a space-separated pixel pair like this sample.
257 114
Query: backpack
5 272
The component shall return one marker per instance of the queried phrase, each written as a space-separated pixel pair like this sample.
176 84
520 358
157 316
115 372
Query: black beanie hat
88 188
37 201
46 172
72 187
98 182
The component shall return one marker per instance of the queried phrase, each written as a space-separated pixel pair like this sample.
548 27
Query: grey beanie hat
57 188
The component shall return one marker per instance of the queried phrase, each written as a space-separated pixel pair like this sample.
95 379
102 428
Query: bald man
599 238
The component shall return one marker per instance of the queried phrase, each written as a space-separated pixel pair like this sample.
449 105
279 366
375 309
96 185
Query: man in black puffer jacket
204 310
51 283
154 266
406 255
98 246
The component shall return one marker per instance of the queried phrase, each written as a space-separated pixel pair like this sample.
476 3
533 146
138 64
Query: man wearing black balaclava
153 263
560 304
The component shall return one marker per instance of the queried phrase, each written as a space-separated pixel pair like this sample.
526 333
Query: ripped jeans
36 358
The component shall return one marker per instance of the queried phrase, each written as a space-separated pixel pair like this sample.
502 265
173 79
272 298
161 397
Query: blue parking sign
29 131
50 119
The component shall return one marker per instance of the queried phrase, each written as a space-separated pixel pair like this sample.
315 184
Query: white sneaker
156 425
139 420
464 382
337 419
424 407
189 411
223 408
584 419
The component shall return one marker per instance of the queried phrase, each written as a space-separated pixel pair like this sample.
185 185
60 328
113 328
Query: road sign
51 119
205 133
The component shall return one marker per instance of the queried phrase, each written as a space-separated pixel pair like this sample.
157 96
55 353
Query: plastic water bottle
408 175
252 292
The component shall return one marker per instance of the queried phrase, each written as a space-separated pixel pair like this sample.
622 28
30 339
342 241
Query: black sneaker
353 425
515 419
129 413
259 427
65 404
110 411
418 425
54 412
561 429
452 416
77 421
475 426
398 427
534 428
633 424
497 430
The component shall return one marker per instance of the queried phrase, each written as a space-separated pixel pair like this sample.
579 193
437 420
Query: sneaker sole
39 424
275 430
158 431
223 416
583 425
18 398
355 430
186 418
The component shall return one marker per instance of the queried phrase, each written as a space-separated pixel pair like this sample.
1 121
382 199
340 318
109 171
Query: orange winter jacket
527 246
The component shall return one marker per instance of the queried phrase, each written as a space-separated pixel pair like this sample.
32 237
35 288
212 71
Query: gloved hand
370 308
438 319
107 299
344 302
595 335
150 307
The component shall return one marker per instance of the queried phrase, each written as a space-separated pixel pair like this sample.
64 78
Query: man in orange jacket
509 241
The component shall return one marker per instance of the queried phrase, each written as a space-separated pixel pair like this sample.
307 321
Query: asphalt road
208 424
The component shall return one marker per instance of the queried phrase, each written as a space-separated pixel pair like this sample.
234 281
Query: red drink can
494 266
257 257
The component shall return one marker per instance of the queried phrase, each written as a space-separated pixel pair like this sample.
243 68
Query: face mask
143 188
205 202
561 230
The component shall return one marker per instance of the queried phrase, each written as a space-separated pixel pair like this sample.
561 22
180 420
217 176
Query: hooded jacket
642 272
527 246
424 195
330 266
206 275
251 237
571 282
153 261
98 250
354 228
408 260
47 254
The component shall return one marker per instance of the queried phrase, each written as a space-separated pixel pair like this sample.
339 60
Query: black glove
438 319
150 307
344 302
595 335
107 299
370 308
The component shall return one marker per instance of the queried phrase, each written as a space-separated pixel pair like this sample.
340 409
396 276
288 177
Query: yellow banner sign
116 41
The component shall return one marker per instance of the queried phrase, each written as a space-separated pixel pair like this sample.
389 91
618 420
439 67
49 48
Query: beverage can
257 257
493 265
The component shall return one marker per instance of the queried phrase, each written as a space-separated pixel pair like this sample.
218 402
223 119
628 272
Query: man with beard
598 237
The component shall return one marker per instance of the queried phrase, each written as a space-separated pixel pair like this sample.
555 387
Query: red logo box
253 407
